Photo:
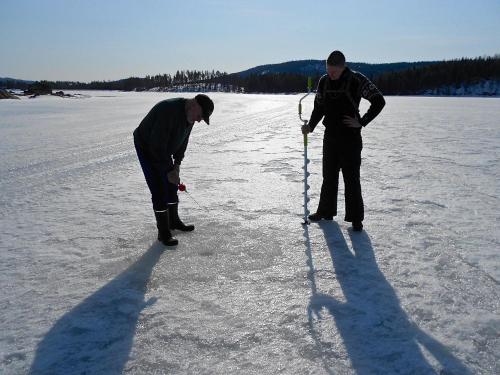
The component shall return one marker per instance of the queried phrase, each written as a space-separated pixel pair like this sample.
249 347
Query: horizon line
497 55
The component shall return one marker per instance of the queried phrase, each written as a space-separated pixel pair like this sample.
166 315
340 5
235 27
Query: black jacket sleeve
370 92
179 154
319 106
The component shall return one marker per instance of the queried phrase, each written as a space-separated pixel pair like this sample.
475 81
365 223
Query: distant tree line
15 84
165 81
415 80
266 83
405 82
446 73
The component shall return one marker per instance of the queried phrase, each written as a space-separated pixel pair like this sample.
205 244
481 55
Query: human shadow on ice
378 335
97 335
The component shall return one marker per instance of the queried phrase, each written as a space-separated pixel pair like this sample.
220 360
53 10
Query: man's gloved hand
306 129
173 176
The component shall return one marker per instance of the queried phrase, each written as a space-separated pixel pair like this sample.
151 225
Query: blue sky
109 39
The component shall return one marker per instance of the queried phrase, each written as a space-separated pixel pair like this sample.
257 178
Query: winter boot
162 223
357 226
175 222
318 216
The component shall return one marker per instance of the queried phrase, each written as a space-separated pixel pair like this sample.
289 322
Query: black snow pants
341 152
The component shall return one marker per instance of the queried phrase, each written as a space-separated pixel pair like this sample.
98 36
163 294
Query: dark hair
336 58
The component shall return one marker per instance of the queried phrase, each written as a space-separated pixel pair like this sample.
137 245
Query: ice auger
306 160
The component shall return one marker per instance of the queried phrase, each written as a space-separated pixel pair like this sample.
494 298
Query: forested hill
317 68
479 76
466 76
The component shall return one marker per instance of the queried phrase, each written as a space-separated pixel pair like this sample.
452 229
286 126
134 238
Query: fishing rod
306 160
182 187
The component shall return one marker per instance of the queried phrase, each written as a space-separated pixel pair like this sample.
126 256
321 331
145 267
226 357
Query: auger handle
309 87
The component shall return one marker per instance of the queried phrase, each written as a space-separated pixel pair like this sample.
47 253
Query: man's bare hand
306 129
351 122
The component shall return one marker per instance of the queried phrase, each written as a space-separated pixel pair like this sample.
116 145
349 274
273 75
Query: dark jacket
338 98
164 133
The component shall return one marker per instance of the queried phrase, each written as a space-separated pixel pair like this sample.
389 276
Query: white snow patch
87 289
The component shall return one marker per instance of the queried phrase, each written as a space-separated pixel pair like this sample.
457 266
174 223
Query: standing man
160 141
337 99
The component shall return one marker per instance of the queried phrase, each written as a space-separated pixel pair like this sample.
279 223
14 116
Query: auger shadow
376 332
97 335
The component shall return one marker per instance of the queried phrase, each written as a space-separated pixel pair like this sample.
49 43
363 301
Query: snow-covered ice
86 289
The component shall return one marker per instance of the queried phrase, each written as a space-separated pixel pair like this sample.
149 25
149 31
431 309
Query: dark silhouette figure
376 332
97 335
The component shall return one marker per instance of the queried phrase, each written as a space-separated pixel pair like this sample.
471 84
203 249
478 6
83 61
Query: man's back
164 130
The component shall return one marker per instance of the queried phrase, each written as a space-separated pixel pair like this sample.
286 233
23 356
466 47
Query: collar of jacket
346 73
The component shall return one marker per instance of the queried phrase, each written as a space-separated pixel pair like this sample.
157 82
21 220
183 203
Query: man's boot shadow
376 332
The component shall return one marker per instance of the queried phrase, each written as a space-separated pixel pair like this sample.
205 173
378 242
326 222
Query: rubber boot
357 226
175 222
318 216
162 223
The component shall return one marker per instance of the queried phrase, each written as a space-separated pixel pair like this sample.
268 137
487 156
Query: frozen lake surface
86 289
